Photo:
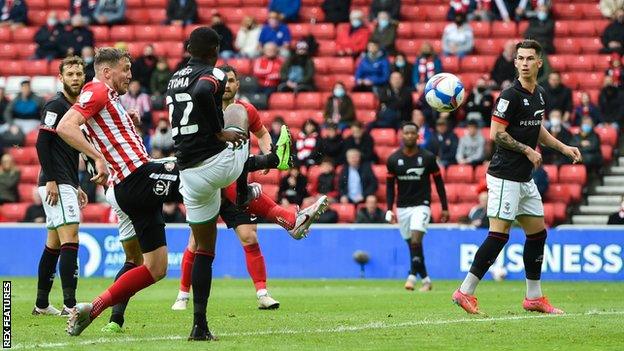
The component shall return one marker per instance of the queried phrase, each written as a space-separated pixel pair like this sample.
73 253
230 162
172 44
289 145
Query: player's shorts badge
502 105
161 187
169 166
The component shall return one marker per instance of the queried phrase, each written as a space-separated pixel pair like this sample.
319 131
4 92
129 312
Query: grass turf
337 315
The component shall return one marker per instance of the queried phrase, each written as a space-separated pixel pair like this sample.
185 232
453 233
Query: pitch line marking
339 329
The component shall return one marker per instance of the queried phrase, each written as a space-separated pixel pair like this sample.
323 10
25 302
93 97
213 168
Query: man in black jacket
48 39
181 12
361 141
331 144
357 179
446 143
77 36
613 36
226 47
370 213
559 96
559 131
336 11
395 104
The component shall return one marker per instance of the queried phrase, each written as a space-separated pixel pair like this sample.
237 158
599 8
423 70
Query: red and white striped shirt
112 129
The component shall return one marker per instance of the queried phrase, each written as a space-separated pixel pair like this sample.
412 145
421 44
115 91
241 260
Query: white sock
261 292
412 278
469 285
183 294
426 280
534 289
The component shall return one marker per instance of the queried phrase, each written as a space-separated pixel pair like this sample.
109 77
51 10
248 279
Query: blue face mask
586 128
400 64
339 92
542 16
383 23
356 23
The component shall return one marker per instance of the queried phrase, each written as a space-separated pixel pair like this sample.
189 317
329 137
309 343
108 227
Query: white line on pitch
339 329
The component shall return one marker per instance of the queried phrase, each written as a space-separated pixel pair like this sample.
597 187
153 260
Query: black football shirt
413 174
522 112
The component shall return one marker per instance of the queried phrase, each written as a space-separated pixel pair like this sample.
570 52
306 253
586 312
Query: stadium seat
473 63
408 46
172 33
575 191
24 34
582 29
436 212
480 29
14 212
434 12
5 34
298 30
364 101
365 116
480 172
459 174
273 177
95 213
553 173
321 65
428 30
549 214
284 101
404 30
341 65
327 48
323 31
591 11
157 15
309 100
37 17
24 155
383 152
504 29
570 80
137 17
558 192
149 33
601 62
100 33
26 51
607 153
566 46
8 51
25 191
384 136
522 27
576 174
37 68
122 33
591 80
413 13
29 174
560 210
580 63
242 66
566 11
31 138
459 210
608 135
346 212
450 64
562 29
312 14
558 62
134 3
489 46
228 3
155 3
381 172
468 193
590 45
600 25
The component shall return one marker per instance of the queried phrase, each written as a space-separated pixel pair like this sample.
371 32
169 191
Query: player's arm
546 139
439 183
44 145
264 140
499 135
205 90
390 181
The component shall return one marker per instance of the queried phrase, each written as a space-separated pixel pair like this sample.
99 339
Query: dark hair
202 42
279 119
357 124
111 56
312 122
408 123
70 61
327 159
530 44
228 68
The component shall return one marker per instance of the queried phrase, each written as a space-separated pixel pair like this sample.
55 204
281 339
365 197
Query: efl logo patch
50 118
502 105
84 98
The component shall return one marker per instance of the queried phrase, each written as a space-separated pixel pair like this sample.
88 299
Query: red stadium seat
122 33
175 50
298 30
381 173
566 46
37 17
488 46
24 34
567 11
608 135
481 29
9 68
100 33
134 3
311 13
24 155
155 3
346 212
273 177
29 174
383 152
607 153
560 209
589 45
600 26
26 50
450 64
459 174
37 68
549 214
341 65
148 33
591 11
562 28
558 193
137 17
321 65
434 12
157 16
601 62
480 172
284 101
593 80
308 101
14 212
323 31
428 30
37 4
365 116
553 173
327 48
468 193
522 27
408 46
575 191
228 3
384 136
173 33
575 174
364 100
5 34
25 191
580 63
404 30
31 138
459 210
504 29
8 51
570 80
473 64
242 66
95 213
558 62
582 29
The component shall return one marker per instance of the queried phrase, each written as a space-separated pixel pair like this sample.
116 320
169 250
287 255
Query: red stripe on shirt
212 80
131 140
111 140
48 129
500 120
107 156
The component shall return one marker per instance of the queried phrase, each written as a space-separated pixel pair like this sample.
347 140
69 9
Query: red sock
265 207
124 288
255 265
187 270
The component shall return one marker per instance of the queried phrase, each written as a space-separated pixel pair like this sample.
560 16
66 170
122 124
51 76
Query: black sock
418 259
488 252
259 162
47 270
534 255
68 270
201 282
119 309
242 190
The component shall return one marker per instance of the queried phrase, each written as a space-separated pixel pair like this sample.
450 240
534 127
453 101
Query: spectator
426 139
392 7
609 7
276 127
181 12
34 212
25 109
288 9
618 216
458 39
395 104
471 148
162 139
49 39
339 108
370 213
336 11
361 141
460 6
331 143
226 46
504 71
160 77
446 143
542 29
373 71
292 188
483 11
77 36
248 38
9 178
560 132
84 8
88 55
357 179
402 66
274 31
540 177
586 109
478 107
267 69
143 67
4 102
330 216
426 66
385 33
588 143
12 137
134 99
13 13
172 213
615 70
613 35
110 12
478 214
326 182
351 40
307 143
611 102
558 96
297 73
526 9
544 71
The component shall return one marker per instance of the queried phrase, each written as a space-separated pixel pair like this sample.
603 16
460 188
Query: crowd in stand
341 146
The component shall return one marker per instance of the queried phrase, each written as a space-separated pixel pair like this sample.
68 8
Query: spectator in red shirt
351 40
307 143
267 69
615 70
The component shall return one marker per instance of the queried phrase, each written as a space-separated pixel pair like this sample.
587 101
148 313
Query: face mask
586 128
339 92
400 64
355 23
542 16
555 122
383 23
52 22
88 60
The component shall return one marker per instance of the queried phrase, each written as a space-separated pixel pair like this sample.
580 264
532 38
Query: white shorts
508 199
201 186
66 211
126 229
413 219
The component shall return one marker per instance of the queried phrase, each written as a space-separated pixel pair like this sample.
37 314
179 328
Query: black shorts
141 196
234 216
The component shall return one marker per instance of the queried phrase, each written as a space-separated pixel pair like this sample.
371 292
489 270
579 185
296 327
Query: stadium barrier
572 252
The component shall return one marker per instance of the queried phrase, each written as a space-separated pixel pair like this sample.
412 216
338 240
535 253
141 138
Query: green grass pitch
337 315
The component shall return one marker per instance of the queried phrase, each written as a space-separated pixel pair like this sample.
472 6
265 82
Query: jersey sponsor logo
50 118
401 162
531 123
526 102
169 166
163 176
84 98
161 188
502 105
539 112
412 174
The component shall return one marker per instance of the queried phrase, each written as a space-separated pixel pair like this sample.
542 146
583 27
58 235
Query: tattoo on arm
506 141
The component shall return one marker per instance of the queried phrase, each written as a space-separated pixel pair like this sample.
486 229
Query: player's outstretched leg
46 272
533 257
205 237
186 270
116 321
